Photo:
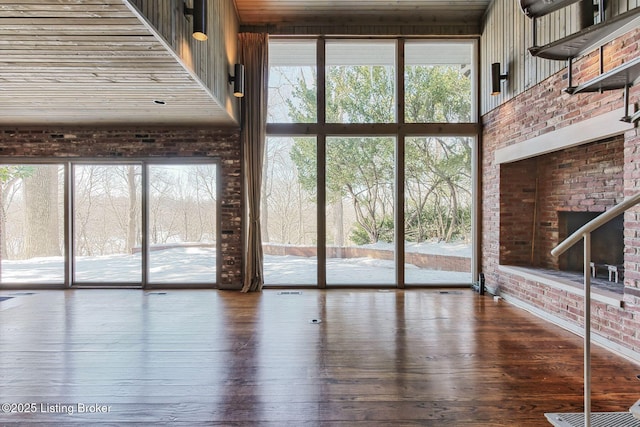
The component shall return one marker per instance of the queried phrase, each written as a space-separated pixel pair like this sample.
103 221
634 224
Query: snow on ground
198 265
461 249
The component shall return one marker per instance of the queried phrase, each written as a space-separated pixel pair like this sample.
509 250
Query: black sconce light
496 78
238 80
199 13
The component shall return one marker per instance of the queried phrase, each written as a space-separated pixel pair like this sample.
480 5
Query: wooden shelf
589 38
618 78
537 8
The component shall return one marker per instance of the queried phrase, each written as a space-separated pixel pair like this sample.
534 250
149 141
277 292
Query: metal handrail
584 232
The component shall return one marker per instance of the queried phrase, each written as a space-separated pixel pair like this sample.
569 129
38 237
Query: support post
587 329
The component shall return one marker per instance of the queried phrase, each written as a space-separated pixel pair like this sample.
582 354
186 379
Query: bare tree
41 200
11 179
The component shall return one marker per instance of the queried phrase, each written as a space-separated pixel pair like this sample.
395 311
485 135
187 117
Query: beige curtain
254 56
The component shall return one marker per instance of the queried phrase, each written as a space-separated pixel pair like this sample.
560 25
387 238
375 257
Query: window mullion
399 165
321 164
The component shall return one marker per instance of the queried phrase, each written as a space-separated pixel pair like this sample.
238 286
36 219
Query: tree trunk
3 219
339 222
453 211
41 199
301 237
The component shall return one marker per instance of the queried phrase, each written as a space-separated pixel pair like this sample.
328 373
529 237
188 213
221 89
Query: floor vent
290 293
450 293
598 419
156 293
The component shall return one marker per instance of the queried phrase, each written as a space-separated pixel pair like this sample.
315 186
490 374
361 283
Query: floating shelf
618 78
589 38
537 8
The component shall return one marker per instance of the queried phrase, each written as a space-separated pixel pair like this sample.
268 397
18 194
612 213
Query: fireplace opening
607 245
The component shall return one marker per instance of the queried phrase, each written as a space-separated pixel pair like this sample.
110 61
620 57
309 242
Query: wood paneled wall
212 60
508 34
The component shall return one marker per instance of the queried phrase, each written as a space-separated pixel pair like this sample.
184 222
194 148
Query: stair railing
584 233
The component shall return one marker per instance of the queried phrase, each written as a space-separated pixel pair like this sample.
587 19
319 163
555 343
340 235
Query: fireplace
544 199
607 243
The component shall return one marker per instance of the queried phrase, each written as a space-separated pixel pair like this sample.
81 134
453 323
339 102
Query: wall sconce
238 80
199 13
496 78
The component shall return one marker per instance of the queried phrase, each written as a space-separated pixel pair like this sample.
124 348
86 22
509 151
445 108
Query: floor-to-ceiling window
374 141
138 223
290 187
438 172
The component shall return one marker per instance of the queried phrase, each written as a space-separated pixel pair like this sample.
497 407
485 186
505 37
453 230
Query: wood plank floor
206 357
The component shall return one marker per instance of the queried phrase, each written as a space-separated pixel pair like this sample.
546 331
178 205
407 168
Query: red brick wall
517 204
542 109
149 143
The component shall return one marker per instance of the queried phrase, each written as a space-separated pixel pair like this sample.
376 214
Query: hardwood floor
374 358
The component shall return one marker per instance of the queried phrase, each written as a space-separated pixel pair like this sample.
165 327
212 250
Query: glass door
107 207
32 224
183 223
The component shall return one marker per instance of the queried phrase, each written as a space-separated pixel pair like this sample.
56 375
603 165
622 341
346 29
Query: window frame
400 130
69 221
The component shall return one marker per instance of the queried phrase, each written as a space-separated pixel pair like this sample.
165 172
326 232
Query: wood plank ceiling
96 62
361 12
93 62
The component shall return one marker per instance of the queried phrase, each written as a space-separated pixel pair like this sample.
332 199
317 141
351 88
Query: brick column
632 216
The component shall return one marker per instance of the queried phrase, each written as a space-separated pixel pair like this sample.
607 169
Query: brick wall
517 207
542 109
149 143
630 325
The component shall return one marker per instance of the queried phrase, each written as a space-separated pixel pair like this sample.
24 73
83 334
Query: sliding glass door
32 224
134 224
182 223
107 223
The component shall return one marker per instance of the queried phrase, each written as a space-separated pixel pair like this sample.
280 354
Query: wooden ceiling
363 12
98 62
93 62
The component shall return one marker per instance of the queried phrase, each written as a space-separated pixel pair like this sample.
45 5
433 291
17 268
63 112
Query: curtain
254 55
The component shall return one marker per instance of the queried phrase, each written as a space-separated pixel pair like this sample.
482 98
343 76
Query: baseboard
573 328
